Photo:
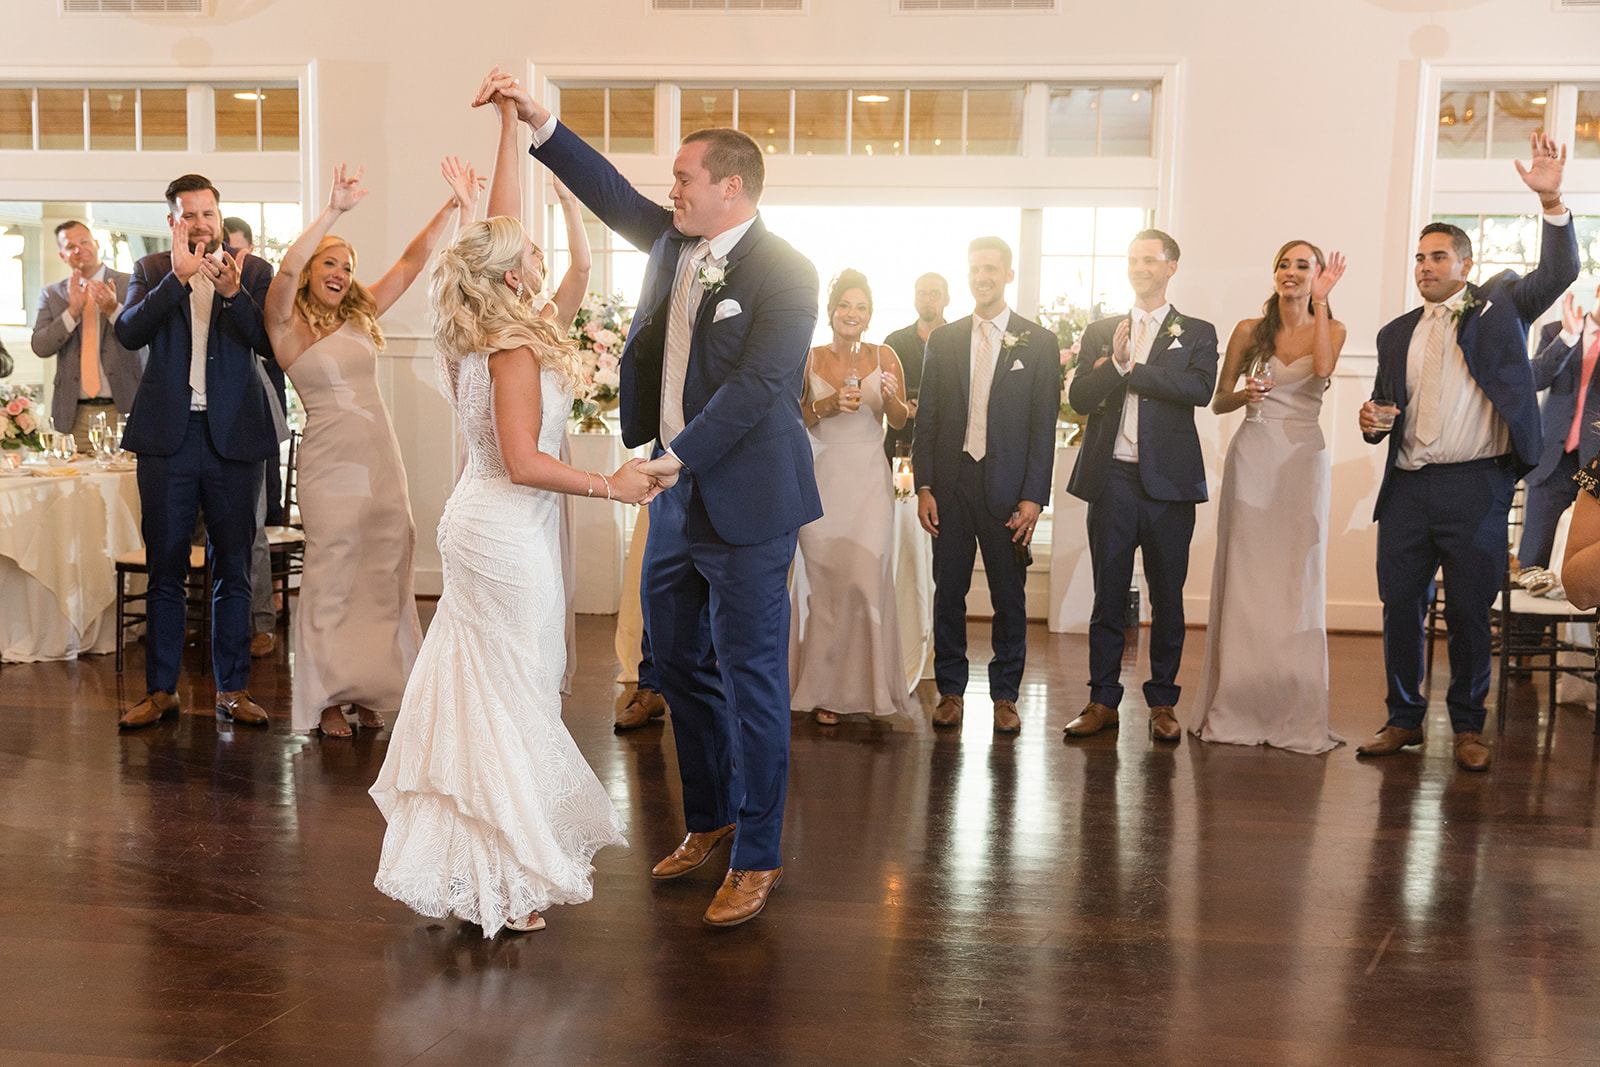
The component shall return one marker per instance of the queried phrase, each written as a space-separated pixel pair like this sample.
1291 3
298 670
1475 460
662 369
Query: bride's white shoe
534 921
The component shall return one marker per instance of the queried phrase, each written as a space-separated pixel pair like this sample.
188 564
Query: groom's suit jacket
1493 336
743 443
237 409
1179 375
1024 398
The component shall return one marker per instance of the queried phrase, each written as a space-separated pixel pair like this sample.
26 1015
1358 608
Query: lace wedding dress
492 810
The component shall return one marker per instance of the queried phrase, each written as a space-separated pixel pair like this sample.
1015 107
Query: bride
493 814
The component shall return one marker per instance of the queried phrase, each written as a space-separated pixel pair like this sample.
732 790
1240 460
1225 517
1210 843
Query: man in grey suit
85 304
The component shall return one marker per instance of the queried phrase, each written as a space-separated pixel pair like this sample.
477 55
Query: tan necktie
201 290
982 377
1428 399
1130 405
89 352
680 329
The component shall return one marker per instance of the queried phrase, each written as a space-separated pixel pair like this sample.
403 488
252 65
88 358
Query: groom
713 371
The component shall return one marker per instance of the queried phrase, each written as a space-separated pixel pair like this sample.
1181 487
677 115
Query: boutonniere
713 276
1467 304
1008 341
1174 328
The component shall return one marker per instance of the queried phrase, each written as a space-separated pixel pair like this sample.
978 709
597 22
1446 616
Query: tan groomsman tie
680 326
1130 402
201 290
982 378
1428 398
89 351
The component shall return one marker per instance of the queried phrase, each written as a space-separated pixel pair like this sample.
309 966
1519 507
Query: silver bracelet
603 478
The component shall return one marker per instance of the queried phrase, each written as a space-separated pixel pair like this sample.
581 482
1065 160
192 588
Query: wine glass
97 436
1260 373
66 446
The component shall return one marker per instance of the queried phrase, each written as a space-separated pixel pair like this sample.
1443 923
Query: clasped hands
640 481
80 292
190 259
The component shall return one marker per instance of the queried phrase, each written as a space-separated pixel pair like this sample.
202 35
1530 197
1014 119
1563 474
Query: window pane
1463 124
1066 280
1114 229
1112 293
1518 115
583 111
936 122
764 115
164 115
994 122
878 122
702 108
1508 240
111 119
1073 116
16 118
633 120
1586 142
280 120
1125 119
236 119
819 121
1067 231
61 119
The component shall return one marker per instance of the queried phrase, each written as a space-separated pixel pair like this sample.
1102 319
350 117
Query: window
613 119
1478 122
1511 242
1101 120
257 118
147 118
1085 258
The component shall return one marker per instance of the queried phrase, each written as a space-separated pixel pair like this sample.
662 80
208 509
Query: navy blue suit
1551 490
1148 505
1454 514
976 497
207 461
721 539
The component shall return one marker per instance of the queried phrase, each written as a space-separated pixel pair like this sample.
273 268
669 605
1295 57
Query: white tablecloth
59 539
1071 577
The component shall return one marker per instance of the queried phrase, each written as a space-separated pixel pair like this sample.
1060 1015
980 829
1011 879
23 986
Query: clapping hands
1571 315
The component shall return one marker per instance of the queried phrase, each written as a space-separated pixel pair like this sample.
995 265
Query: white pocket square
726 309
1016 364
1487 305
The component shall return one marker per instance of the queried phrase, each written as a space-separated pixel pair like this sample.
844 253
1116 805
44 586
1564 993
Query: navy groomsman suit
723 537
1448 510
1146 503
1559 366
206 460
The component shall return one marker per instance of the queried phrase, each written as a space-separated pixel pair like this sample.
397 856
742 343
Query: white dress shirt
1469 426
1126 447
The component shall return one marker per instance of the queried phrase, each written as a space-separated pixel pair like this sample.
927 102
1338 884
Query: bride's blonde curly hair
475 311
356 306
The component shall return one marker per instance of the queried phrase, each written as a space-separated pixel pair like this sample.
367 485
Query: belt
98 401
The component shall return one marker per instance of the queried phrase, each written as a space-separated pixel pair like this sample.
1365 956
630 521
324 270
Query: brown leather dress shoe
149 711
1164 724
742 896
1471 753
1006 719
948 712
1389 740
238 706
1091 720
642 706
263 644
695 850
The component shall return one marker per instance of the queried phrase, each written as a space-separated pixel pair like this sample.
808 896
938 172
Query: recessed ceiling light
1539 100
247 96
872 98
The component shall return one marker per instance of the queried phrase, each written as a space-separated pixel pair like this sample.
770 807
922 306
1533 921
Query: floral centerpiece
1067 321
599 328
19 420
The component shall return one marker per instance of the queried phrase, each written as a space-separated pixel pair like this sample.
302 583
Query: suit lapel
963 364
1395 384
751 238
1002 356
1164 338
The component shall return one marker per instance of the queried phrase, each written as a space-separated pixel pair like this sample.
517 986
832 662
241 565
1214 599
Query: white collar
724 242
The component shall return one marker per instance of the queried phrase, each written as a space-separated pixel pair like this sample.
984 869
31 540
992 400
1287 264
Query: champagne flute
97 434
66 446
1260 374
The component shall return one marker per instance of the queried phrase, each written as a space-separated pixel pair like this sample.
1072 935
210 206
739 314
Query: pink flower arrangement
19 426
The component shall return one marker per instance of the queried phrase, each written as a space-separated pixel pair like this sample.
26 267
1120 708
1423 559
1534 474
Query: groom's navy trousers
719 636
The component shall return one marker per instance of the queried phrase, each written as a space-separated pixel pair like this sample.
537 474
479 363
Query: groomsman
984 446
1466 428
1140 378
713 370
95 374
910 343
1565 364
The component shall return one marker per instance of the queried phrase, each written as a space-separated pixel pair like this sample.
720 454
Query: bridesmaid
1265 680
356 634
845 656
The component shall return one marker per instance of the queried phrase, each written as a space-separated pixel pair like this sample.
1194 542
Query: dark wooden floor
196 893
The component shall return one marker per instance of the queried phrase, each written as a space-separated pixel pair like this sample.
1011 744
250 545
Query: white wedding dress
492 810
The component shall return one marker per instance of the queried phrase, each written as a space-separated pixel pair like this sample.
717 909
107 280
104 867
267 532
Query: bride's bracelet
588 481
603 478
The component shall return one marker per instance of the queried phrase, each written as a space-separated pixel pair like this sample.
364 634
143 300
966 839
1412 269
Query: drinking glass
66 446
1385 418
97 434
1260 372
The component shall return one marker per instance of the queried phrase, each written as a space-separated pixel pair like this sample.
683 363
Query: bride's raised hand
347 191
1325 279
464 182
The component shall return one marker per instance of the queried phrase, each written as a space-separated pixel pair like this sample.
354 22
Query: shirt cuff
674 455
116 313
1563 219
543 134
69 321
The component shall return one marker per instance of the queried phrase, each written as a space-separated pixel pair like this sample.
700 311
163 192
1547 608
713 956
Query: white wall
1296 120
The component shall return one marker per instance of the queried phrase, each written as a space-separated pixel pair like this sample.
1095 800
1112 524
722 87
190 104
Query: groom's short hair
1457 235
731 152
